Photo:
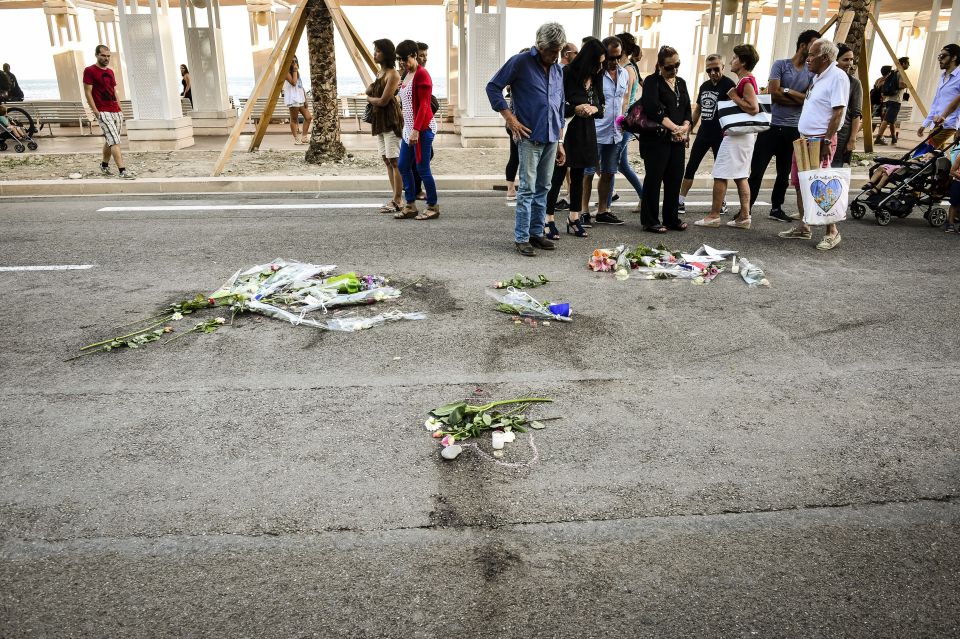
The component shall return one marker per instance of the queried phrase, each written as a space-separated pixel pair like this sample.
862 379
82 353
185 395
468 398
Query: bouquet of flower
701 266
280 289
460 421
523 304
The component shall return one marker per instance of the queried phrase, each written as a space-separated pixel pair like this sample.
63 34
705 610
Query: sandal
408 212
390 207
681 226
655 228
432 212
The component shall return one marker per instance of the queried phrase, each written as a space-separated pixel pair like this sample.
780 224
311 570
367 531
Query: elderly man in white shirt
821 118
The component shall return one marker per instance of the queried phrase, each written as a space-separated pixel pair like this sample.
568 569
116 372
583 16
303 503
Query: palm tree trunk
325 141
857 27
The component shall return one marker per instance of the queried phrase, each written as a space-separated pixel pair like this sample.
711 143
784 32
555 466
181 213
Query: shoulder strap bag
735 121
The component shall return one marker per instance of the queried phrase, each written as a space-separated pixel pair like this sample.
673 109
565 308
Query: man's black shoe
542 243
780 216
616 196
607 218
524 248
562 205
586 220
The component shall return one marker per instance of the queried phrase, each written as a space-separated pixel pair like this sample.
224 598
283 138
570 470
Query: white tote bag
734 121
825 194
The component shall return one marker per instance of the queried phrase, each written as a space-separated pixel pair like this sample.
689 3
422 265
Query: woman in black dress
667 102
583 94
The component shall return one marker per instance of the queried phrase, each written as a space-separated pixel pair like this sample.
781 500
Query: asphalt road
732 462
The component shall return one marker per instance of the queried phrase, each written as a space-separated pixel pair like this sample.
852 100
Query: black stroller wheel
32 146
937 217
857 210
22 119
883 217
20 148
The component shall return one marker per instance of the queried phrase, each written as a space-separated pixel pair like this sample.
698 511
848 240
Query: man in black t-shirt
710 135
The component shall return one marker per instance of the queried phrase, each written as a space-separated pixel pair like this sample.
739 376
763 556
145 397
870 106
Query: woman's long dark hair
665 52
388 52
587 62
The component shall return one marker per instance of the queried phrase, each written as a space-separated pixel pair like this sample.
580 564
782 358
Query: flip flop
390 207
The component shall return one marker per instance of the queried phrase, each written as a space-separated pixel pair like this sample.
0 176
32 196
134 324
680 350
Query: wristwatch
786 90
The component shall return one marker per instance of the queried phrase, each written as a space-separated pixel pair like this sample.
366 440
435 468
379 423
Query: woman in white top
736 151
296 100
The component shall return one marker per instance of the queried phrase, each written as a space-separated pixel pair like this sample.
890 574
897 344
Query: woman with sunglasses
736 151
665 101
709 135
295 98
419 129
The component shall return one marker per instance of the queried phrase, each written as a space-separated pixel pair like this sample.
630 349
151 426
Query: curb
258 184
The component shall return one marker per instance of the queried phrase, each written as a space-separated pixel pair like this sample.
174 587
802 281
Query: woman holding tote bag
736 149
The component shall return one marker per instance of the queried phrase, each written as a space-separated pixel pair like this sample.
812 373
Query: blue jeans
626 169
535 173
406 161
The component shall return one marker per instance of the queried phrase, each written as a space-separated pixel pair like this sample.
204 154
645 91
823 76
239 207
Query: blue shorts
609 157
954 192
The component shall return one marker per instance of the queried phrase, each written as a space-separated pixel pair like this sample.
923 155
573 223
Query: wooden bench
49 112
280 111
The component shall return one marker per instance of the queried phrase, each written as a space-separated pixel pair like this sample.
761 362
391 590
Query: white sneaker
127 175
723 209
105 170
737 224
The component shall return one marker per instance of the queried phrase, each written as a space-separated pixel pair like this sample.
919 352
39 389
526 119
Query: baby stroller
921 181
18 117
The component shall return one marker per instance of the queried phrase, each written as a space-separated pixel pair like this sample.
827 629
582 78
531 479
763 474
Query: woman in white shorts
296 100
385 118
736 150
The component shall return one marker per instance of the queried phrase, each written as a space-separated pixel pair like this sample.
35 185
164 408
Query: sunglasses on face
943 56
713 70
671 67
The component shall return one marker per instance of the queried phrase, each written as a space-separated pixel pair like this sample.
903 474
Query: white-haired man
536 123
821 118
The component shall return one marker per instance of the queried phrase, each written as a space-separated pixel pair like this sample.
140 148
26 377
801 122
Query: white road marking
239 207
62 267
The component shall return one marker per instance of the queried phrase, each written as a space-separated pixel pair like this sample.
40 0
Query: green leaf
487 420
457 414
537 425
445 410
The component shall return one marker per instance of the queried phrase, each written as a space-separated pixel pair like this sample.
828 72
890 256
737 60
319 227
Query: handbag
636 121
735 121
825 193
368 114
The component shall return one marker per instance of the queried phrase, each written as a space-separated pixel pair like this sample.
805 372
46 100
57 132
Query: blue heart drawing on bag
826 194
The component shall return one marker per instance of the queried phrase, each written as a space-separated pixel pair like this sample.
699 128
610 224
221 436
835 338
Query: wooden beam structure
867 117
349 40
279 78
299 14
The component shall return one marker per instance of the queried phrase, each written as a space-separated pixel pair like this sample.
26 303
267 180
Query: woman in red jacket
419 129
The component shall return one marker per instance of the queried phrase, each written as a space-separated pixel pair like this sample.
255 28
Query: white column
211 112
486 36
68 58
108 33
158 121
264 32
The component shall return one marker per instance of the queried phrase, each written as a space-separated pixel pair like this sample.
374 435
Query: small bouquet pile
701 266
459 421
523 304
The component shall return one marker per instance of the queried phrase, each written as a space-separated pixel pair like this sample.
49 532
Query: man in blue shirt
609 136
536 124
943 109
787 86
